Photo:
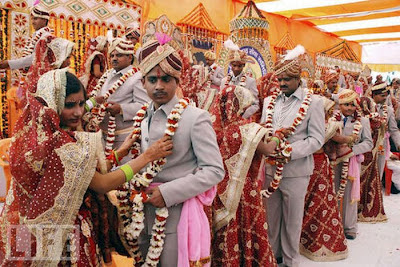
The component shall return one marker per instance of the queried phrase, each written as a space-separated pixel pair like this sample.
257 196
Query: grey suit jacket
392 127
335 97
365 142
252 86
195 164
131 96
308 137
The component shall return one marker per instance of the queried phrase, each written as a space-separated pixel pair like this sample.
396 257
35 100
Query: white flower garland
32 42
345 166
284 150
242 81
135 191
99 111
384 118
210 75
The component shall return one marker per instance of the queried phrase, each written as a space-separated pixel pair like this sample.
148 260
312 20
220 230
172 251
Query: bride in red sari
53 165
370 207
239 219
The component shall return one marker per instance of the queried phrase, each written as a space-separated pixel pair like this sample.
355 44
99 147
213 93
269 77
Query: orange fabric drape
303 33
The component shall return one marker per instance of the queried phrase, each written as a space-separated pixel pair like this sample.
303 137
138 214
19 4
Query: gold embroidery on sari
4 223
21 132
238 166
41 135
79 162
36 165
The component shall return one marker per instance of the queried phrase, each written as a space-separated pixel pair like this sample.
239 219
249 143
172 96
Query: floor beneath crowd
376 244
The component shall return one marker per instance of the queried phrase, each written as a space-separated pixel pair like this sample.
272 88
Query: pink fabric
261 174
387 150
354 173
194 238
359 90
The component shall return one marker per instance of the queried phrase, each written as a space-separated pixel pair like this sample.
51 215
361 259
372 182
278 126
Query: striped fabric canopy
375 24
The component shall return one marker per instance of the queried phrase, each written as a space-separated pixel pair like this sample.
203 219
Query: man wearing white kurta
215 72
285 206
332 87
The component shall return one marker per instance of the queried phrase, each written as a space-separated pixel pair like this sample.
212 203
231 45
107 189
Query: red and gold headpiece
159 52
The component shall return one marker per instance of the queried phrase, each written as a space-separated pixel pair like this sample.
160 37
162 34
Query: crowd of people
121 160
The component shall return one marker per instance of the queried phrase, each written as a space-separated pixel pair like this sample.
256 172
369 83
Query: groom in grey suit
285 206
195 164
128 98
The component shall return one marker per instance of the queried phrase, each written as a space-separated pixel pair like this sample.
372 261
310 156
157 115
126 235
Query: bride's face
71 115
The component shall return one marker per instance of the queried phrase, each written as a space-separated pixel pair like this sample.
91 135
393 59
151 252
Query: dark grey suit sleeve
210 167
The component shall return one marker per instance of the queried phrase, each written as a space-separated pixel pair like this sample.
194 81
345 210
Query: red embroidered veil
51 170
238 212
50 52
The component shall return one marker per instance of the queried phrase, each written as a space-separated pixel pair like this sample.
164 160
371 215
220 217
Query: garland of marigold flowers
383 119
3 55
134 192
284 149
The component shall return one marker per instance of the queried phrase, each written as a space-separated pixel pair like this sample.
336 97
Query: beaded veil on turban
39 12
330 76
133 32
379 88
347 96
235 54
290 62
210 55
159 52
122 46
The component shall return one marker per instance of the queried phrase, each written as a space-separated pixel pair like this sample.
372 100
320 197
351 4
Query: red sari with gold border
239 219
370 207
51 170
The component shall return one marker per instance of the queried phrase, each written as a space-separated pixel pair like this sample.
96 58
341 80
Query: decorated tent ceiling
372 23
110 13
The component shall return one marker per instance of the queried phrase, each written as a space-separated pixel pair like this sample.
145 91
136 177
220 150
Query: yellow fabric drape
384 67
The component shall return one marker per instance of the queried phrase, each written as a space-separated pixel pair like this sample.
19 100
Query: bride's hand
123 150
159 149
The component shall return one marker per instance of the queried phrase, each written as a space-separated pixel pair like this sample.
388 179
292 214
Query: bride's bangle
127 169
